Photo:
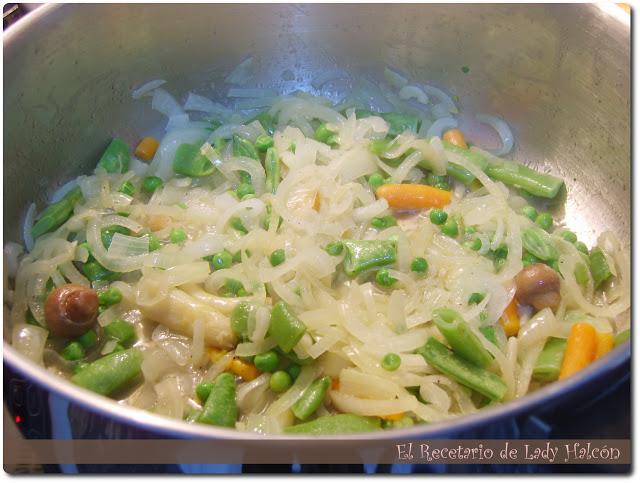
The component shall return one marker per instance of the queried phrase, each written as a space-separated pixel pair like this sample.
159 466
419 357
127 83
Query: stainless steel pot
560 74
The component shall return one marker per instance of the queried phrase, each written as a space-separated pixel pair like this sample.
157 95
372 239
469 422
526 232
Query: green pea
127 188
189 161
236 224
277 257
391 362
475 298
95 272
450 228
530 212
264 142
280 381
469 230
294 371
384 278
110 296
88 339
438 216
544 221
498 263
382 222
154 242
569 236
267 362
233 287
581 247
221 260
325 135
177 235
474 244
245 189
419 265
73 351
203 390
529 259
501 252
151 183
376 180
334 248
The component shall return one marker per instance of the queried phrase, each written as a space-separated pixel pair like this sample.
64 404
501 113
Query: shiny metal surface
559 74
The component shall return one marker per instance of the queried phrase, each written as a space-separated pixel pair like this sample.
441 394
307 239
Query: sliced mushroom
71 310
539 286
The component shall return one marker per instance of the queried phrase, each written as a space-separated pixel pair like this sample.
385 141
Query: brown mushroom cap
71 310
539 286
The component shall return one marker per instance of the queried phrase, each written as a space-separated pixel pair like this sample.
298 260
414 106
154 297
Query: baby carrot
413 196
147 148
581 349
604 345
510 320
455 137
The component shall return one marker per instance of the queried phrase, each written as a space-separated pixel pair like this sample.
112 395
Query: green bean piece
280 381
489 333
569 236
311 398
501 252
462 371
267 361
549 361
450 228
475 298
151 183
599 267
203 390
264 142
433 179
363 255
96 272
521 176
334 248
127 188
293 358
529 259
245 189
530 212
178 235
420 265
120 330
581 247
236 224
538 242
461 174
375 181
277 257
233 288
189 161
73 351
400 122
53 216
337 424
325 135
266 120
622 337
221 260
476 158
239 319
581 272
107 234
391 362
111 296
244 147
384 278
463 342
284 327
382 222
116 157
220 408
111 372
294 371
443 186
79 366
88 339
272 170
544 221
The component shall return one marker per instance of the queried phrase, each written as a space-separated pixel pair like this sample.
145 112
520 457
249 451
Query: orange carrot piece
604 345
246 371
393 417
147 148
455 137
510 319
581 349
413 196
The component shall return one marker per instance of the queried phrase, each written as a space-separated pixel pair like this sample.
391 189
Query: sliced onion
28 226
394 78
440 125
29 340
165 103
241 73
503 130
147 88
442 96
58 194
251 92
198 103
413 92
